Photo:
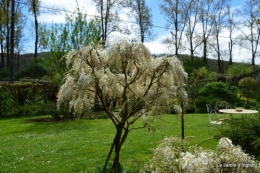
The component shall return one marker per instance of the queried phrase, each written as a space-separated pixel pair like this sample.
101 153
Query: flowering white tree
129 84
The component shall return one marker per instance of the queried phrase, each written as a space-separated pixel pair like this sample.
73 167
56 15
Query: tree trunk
230 51
116 167
2 57
36 31
205 50
119 140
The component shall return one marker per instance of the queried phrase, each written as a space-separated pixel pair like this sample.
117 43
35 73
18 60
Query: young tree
129 84
74 34
176 14
143 17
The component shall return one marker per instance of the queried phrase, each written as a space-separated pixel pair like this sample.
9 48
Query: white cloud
62 7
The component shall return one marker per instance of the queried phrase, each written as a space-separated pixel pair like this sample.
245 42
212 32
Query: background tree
74 34
217 28
108 16
35 10
176 14
20 39
207 14
250 40
143 18
129 84
5 29
248 86
192 22
230 25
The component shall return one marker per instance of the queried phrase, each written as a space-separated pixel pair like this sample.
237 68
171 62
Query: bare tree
230 26
217 28
250 28
176 14
108 15
207 13
35 10
143 18
129 83
192 23
20 39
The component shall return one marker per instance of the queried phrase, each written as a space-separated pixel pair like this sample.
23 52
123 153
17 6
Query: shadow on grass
49 119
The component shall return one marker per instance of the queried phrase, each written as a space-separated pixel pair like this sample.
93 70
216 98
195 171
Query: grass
82 145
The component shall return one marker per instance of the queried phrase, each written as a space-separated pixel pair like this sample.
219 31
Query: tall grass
82 145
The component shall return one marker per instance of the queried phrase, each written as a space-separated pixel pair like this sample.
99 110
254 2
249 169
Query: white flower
225 143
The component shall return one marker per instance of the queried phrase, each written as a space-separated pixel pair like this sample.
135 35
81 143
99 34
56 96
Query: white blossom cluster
125 76
170 157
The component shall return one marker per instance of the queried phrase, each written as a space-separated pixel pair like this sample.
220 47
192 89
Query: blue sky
155 46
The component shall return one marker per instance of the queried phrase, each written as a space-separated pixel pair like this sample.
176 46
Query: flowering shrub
170 156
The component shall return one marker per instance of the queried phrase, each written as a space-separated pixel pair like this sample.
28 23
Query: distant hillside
212 63
29 57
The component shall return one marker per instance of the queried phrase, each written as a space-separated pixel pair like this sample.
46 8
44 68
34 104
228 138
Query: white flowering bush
172 156
127 82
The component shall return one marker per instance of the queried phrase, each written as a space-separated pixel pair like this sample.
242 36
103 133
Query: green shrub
246 133
27 99
6 103
4 73
240 68
33 70
214 92
190 65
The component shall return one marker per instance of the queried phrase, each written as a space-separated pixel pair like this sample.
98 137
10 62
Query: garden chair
222 105
214 119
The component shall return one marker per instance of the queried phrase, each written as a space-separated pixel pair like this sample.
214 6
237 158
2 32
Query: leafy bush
4 73
214 92
246 133
172 157
190 65
248 87
240 68
27 99
6 103
34 70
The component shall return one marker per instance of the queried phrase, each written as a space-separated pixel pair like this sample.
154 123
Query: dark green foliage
26 99
214 92
4 72
191 65
245 132
33 70
6 103
32 110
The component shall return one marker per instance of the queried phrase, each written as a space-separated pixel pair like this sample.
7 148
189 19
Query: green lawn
82 145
